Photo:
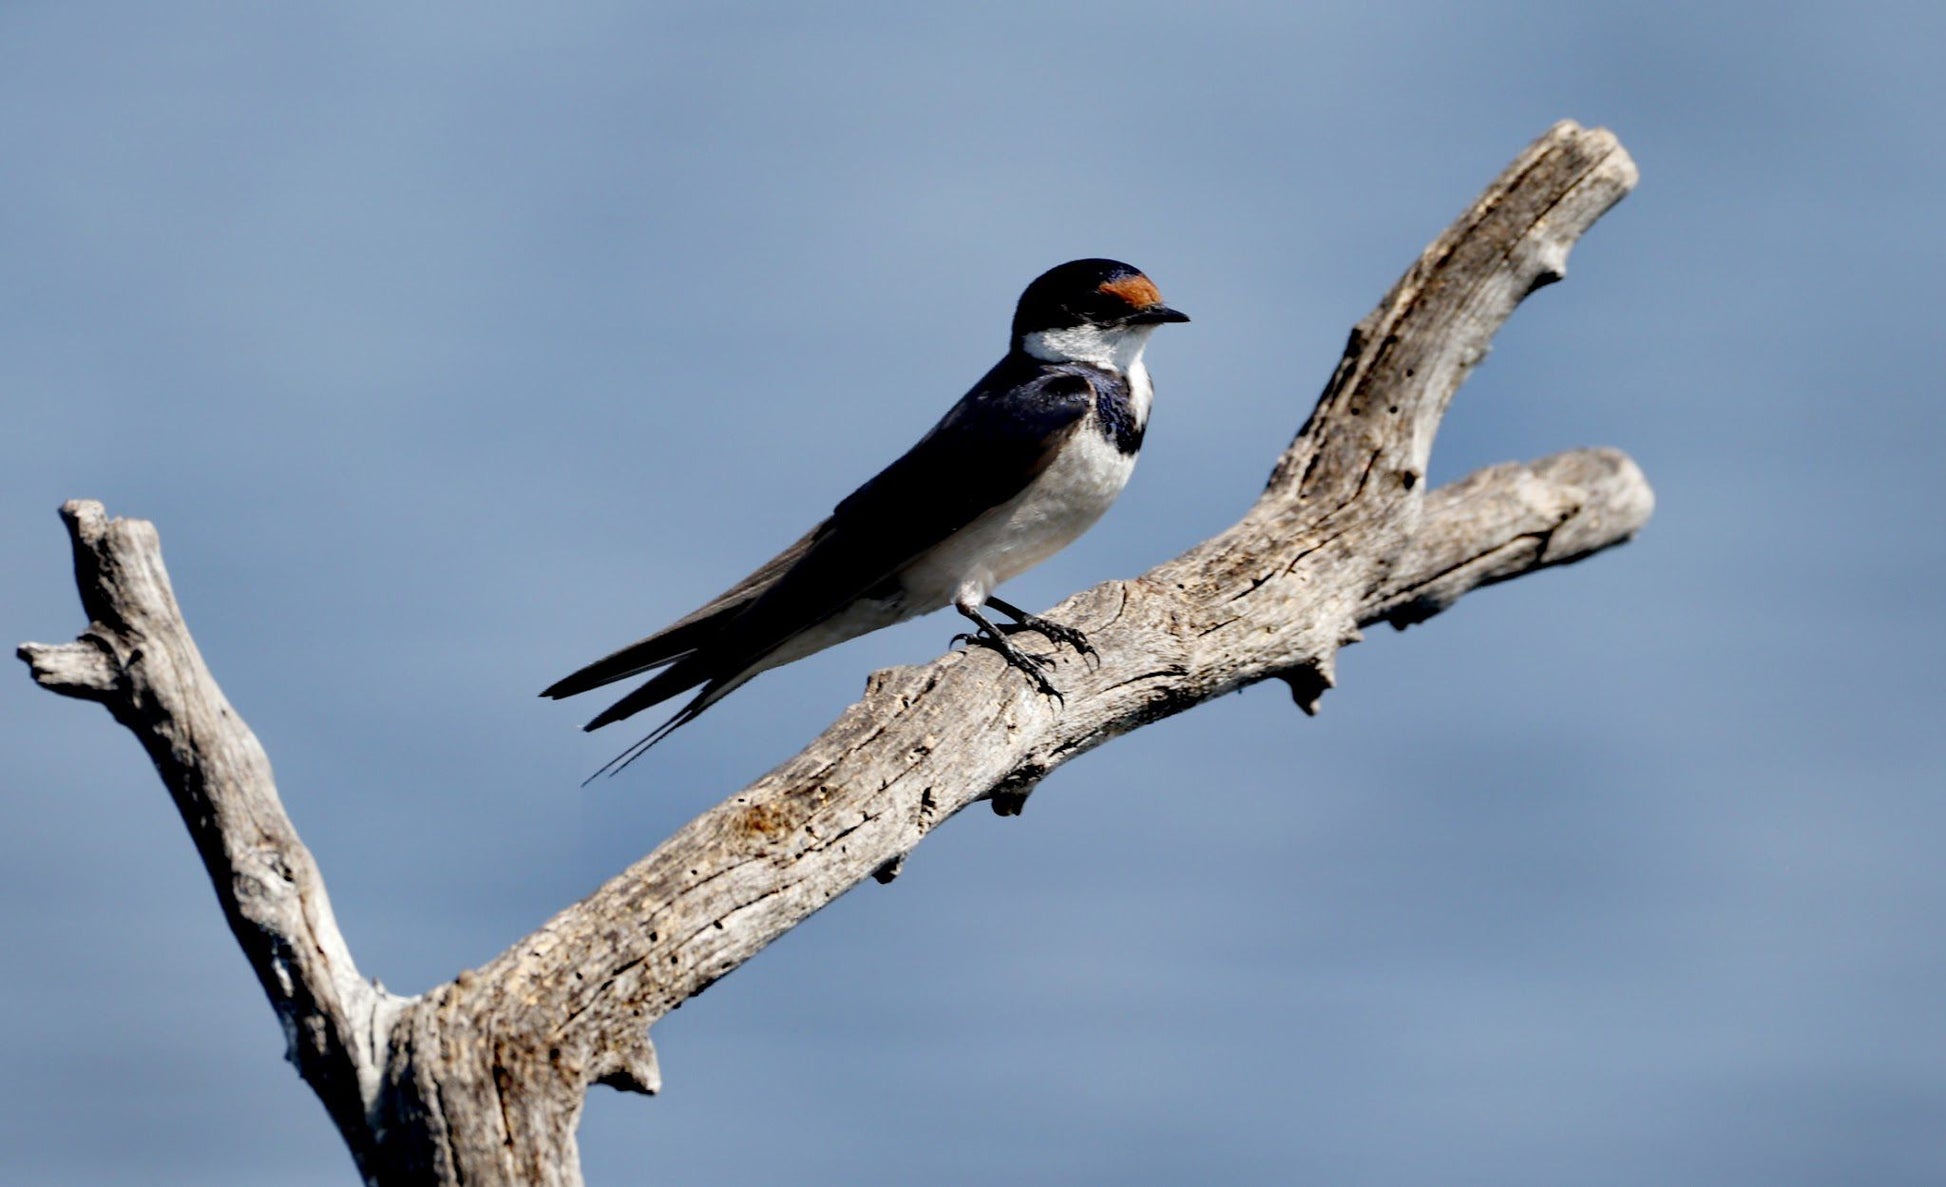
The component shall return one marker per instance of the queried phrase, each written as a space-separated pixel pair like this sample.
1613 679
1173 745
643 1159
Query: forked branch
481 1080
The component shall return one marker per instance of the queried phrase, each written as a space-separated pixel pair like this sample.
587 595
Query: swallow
1022 465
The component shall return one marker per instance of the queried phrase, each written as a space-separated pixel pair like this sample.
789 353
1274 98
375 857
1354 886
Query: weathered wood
138 659
482 1080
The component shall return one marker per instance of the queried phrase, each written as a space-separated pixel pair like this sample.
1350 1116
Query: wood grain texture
138 659
481 1080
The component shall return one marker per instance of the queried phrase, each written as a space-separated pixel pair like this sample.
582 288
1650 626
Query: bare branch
138 659
482 1080
1551 512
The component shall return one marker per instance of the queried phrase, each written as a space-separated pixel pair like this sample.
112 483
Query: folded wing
993 443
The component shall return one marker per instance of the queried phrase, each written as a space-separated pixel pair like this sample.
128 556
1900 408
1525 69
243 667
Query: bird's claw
1029 664
1053 632
1042 683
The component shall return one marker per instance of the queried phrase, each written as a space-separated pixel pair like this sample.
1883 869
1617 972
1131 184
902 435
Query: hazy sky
450 346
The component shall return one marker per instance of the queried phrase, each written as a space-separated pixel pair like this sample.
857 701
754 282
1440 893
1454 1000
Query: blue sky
451 345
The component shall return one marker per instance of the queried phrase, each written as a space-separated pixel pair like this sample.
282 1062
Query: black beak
1155 315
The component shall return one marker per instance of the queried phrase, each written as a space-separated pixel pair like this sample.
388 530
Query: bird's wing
988 449
985 451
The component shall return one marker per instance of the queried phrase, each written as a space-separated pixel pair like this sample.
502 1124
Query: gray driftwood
481 1080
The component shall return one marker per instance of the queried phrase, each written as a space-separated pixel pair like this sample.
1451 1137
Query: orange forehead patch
1138 290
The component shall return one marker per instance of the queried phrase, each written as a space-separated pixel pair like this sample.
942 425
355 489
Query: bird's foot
1032 665
1053 632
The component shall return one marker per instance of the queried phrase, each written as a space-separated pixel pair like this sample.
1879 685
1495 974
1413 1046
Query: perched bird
1020 467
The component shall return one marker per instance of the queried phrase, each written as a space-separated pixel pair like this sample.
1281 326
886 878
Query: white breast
1065 501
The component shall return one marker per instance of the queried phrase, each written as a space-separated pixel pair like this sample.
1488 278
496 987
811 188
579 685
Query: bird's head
1090 311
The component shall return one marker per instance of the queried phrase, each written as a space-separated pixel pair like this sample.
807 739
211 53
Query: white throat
1117 348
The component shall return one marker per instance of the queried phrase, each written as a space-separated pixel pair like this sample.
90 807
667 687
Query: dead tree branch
481 1080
